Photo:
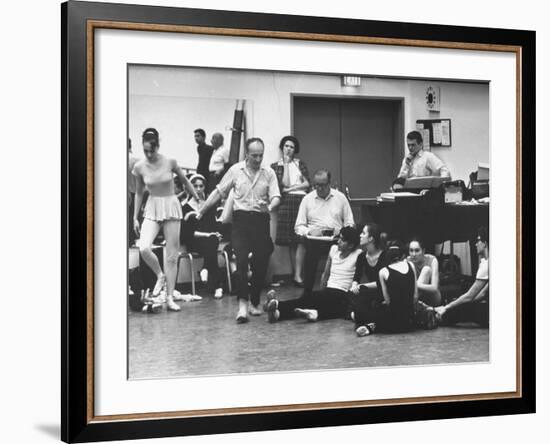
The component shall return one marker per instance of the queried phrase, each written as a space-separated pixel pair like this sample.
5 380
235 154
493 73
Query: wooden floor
204 339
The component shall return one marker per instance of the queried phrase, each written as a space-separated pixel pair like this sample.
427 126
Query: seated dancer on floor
322 213
369 264
202 236
472 306
396 313
332 301
427 272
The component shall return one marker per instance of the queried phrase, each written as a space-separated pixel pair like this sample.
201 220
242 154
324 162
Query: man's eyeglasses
320 185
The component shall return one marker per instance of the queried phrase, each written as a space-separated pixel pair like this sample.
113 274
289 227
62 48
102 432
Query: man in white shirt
218 161
420 163
322 213
255 195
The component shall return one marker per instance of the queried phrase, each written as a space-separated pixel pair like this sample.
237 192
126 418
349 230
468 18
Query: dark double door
359 140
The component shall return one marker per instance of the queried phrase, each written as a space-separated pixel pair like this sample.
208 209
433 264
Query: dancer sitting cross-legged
332 301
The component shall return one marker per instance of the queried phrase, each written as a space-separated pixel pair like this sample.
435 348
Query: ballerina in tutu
163 209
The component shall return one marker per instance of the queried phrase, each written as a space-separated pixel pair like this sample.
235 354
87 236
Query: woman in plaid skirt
293 179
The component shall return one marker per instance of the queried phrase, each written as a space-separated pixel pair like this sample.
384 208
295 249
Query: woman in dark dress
365 289
202 236
293 179
396 313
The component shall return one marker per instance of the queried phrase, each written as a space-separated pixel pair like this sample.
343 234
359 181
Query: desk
431 222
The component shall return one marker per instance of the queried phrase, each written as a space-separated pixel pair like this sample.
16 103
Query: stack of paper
390 197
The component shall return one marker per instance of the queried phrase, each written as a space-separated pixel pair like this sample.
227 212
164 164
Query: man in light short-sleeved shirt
255 195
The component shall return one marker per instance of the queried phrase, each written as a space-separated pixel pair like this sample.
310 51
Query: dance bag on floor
449 267
136 285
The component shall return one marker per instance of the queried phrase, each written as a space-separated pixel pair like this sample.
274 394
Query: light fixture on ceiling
351 81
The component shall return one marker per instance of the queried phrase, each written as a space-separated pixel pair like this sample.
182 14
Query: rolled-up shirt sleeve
348 214
226 183
444 171
273 186
435 164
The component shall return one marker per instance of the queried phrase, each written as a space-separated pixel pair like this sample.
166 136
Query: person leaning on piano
419 163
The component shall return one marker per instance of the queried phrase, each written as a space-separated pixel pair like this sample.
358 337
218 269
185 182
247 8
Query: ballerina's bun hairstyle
395 252
377 235
151 135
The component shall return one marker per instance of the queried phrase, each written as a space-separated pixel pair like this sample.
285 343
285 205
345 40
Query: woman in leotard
427 272
396 313
155 173
365 287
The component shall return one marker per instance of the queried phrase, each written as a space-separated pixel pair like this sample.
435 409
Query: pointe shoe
310 315
242 315
159 286
177 296
254 310
152 308
365 330
172 306
269 297
272 308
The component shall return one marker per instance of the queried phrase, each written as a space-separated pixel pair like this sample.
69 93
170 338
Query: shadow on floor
52 430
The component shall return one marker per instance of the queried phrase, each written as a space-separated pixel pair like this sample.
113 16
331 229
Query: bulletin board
435 132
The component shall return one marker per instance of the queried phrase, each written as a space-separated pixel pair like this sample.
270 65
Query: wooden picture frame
80 20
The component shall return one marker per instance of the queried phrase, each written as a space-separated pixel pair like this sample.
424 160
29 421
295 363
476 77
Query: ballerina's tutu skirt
161 208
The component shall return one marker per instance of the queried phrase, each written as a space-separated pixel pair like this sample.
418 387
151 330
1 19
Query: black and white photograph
285 221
